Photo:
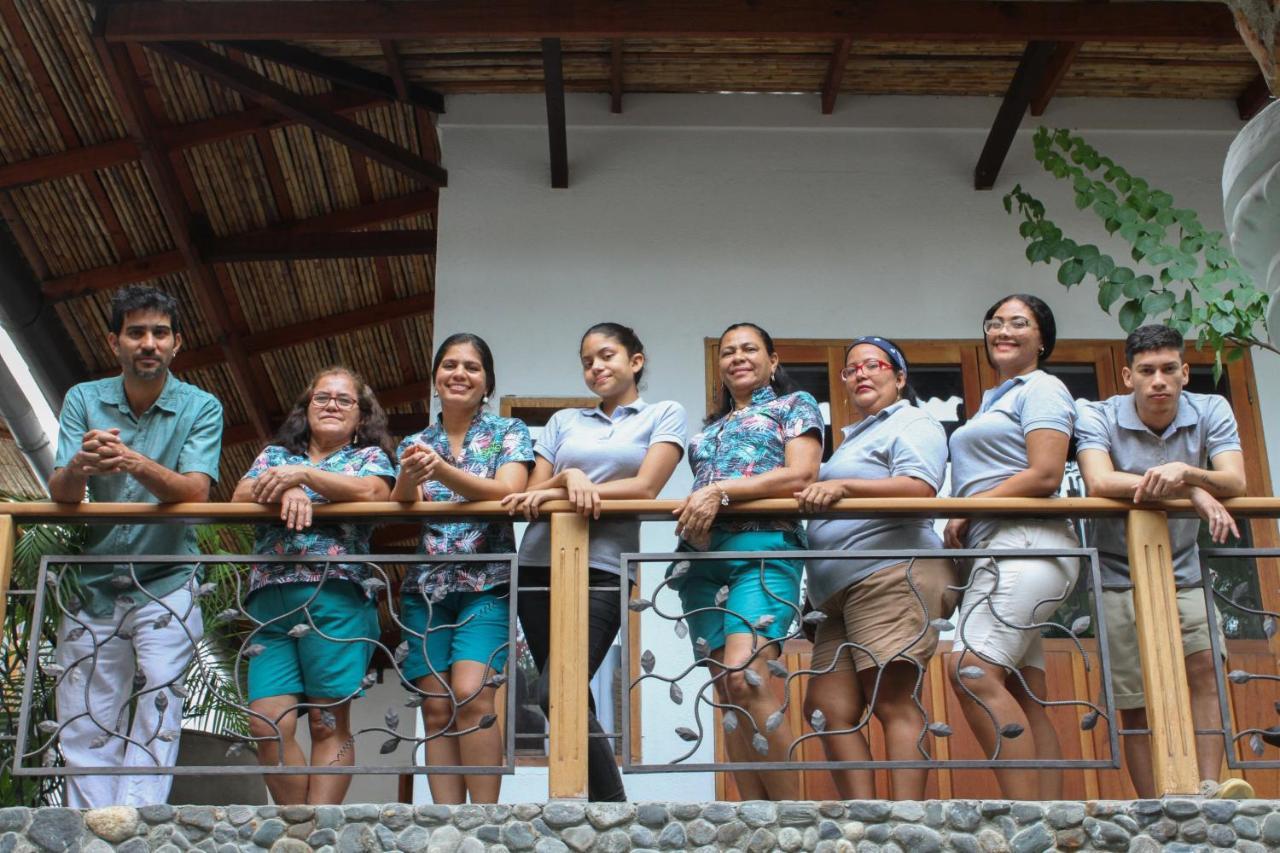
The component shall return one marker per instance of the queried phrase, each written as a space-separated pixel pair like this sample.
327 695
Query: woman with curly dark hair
317 621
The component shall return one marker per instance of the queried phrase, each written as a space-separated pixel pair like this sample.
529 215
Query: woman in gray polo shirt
877 639
623 448
1014 447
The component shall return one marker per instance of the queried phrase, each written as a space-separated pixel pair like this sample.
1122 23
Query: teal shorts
312 665
461 626
748 599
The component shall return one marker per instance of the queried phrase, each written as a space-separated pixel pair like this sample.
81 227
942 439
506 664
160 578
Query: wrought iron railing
1160 645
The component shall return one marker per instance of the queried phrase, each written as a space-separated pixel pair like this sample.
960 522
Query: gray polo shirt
898 441
604 448
992 446
1203 427
181 431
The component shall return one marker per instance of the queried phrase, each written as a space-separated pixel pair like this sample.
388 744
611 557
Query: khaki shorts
1122 639
882 615
999 608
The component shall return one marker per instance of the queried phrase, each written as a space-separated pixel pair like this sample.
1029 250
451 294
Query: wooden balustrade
1159 635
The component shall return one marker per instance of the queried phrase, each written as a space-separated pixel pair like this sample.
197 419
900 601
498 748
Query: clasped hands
103 452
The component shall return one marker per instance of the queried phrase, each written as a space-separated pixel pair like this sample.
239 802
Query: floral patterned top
753 441
490 443
339 538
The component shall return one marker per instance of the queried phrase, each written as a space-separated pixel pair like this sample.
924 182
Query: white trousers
94 692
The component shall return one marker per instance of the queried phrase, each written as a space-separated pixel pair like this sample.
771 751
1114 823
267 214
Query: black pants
604 782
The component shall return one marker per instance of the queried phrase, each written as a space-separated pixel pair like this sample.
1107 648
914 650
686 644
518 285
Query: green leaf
1104 208
1071 272
1099 266
1008 202
1087 250
1123 183
1121 274
1223 324
1038 251
1158 301
1108 293
1139 286
1063 250
1131 315
1235 354
1082 184
1083 200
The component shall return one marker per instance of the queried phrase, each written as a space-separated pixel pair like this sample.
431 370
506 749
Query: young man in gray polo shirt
1161 442
141 437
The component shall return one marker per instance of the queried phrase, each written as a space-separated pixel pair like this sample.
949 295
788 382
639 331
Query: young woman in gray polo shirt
877 639
1015 446
623 448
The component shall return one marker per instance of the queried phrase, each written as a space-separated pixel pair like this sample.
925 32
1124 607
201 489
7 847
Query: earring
772 373
435 395
1041 350
486 399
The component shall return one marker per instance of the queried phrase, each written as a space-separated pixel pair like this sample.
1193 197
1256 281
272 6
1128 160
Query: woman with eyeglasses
457 614
1015 446
877 639
763 441
318 621
623 448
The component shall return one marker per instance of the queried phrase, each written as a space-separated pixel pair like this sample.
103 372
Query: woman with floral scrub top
333 446
625 448
763 441
457 614
884 606
1015 446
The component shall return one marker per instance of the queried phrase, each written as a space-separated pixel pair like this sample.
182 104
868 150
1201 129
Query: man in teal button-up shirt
141 437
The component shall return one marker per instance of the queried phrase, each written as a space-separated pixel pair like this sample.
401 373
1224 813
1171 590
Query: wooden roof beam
167 263
1059 64
395 68
104 155
249 83
615 76
130 100
835 74
1030 73
318 245
1254 97
557 135
897 20
343 73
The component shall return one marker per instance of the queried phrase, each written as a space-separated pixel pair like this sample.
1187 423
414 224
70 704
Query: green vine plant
1198 286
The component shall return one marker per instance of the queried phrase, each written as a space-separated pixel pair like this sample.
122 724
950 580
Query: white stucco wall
686 213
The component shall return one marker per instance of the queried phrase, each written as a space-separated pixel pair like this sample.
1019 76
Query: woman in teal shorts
318 620
457 614
764 441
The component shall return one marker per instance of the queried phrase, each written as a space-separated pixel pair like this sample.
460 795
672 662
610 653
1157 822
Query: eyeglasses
342 401
1016 324
870 367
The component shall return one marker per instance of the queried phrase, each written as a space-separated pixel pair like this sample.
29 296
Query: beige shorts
1122 639
882 615
1009 594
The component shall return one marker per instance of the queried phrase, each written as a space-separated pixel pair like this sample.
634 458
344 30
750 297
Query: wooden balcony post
567 763
1164 674
7 541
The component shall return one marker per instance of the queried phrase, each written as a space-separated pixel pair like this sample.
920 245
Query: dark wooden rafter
318 245
256 87
615 76
1254 97
1031 70
342 73
557 135
895 20
167 263
1059 64
130 100
395 68
400 395
70 138
835 74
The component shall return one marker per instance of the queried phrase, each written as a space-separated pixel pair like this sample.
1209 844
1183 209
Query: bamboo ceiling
128 160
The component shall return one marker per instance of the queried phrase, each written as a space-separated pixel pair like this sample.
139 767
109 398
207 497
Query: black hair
624 335
139 297
899 369
1044 320
294 434
781 383
1153 336
486 357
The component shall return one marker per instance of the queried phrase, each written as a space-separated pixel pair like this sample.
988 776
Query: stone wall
963 825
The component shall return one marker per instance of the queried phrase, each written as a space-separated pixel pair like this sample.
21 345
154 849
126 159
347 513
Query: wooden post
1164 674
7 541
567 763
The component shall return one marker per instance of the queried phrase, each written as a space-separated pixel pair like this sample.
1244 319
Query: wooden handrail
654 510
